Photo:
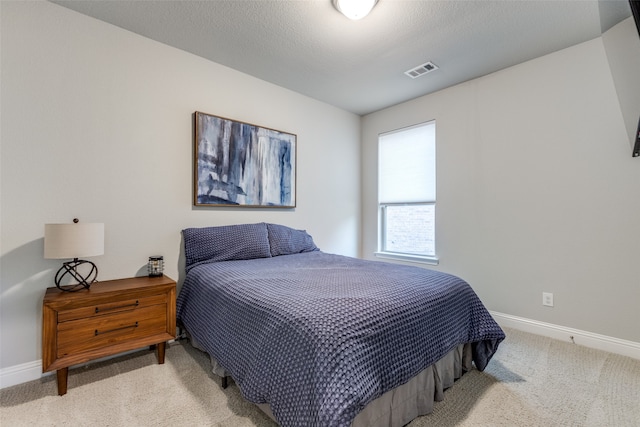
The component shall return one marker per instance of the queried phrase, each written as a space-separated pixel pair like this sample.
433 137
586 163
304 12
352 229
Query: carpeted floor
532 381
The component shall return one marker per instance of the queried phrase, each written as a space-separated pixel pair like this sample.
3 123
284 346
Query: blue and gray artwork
243 164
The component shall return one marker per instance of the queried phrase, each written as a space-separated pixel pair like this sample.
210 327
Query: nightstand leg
62 375
160 348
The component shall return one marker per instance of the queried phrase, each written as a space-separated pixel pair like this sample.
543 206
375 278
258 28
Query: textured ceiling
310 48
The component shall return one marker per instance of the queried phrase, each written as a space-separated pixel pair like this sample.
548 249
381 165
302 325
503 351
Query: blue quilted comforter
318 336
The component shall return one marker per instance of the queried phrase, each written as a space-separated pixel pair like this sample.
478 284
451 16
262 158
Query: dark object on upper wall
635 10
636 147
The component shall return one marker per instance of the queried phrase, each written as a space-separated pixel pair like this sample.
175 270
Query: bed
318 339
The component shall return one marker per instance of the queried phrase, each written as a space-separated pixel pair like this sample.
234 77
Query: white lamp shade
73 240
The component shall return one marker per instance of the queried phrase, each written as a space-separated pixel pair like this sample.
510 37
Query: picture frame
242 165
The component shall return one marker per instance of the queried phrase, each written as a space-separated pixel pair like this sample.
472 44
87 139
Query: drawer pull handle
135 304
97 332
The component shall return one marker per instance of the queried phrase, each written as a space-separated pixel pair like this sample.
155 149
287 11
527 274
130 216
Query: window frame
382 251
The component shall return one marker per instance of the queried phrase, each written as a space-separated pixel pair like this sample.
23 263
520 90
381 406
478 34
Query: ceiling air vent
421 69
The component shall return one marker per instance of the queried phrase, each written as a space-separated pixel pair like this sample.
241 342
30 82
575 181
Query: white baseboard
584 338
19 374
30 371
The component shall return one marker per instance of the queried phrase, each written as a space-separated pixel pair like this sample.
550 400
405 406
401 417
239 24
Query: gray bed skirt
406 402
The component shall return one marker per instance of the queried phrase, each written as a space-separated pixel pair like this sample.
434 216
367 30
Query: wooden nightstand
111 317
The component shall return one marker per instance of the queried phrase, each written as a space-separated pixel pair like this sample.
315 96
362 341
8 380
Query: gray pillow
286 241
225 243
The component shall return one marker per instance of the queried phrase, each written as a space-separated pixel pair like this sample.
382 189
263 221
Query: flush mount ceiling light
354 9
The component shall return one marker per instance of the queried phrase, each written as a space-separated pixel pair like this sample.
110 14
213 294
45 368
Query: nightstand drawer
108 308
85 334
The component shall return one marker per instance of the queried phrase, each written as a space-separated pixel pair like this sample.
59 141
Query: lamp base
71 268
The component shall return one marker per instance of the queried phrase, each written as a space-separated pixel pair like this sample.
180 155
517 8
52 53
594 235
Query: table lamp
74 241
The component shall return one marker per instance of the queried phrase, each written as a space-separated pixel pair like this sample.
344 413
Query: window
407 193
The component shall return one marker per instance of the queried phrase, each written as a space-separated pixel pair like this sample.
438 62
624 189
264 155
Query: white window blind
407 193
407 165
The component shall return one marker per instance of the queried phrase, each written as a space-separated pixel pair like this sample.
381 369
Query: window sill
431 260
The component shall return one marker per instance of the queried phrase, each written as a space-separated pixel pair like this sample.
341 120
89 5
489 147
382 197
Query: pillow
224 243
285 241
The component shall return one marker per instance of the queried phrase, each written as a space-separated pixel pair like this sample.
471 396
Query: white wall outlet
547 299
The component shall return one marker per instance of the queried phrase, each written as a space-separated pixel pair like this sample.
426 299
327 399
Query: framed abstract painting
243 165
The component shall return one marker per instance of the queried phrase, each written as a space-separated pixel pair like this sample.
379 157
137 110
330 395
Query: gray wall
97 124
536 190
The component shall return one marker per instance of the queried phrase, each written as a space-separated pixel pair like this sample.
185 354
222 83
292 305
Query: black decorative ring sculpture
71 268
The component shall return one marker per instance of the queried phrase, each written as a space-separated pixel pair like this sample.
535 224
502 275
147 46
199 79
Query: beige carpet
532 381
